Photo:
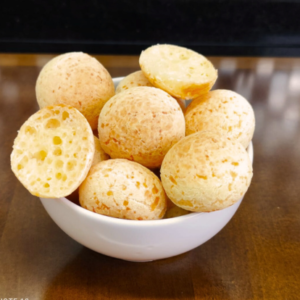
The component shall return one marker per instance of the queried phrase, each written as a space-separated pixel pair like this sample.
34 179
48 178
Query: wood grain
256 256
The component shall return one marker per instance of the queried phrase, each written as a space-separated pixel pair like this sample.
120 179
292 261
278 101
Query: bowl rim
145 223
118 79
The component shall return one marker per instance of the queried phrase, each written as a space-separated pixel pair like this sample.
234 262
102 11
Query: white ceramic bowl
138 240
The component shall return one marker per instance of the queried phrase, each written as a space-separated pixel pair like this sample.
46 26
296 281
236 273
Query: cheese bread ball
181 72
222 111
75 79
141 124
123 189
53 151
206 172
99 155
133 80
138 79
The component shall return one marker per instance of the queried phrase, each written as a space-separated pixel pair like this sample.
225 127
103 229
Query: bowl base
139 261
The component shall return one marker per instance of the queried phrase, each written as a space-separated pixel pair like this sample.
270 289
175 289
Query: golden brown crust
141 124
181 72
123 189
222 111
206 172
75 79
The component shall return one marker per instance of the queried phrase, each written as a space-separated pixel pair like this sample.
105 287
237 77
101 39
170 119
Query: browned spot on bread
155 190
155 203
173 180
185 203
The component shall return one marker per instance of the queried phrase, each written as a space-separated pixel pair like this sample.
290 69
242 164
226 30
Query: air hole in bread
58 176
65 115
40 155
59 164
57 152
46 116
57 140
52 124
30 130
71 164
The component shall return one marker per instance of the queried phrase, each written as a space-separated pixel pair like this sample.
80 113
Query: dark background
249 28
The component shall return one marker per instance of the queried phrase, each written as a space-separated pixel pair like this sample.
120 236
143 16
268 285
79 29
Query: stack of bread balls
152 158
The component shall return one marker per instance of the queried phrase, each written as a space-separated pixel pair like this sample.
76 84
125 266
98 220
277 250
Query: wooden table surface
256 256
